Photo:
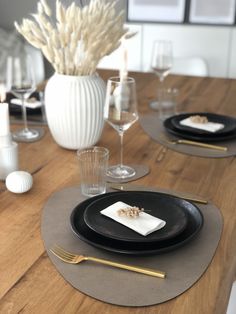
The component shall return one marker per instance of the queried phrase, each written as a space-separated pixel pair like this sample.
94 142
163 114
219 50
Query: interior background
215 44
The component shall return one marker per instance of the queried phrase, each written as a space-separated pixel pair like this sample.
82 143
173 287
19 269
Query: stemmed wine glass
161 63
21 83
121 112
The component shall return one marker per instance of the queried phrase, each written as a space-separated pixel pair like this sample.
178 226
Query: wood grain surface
29 283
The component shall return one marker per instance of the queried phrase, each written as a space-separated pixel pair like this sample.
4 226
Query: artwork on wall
156 10
212 11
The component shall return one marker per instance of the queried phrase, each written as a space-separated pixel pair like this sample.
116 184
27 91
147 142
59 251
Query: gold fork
71 258
198 144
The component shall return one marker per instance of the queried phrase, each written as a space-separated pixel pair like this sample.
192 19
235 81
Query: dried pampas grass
78 38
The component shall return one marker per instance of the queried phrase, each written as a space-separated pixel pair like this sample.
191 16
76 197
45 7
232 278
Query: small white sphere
19 182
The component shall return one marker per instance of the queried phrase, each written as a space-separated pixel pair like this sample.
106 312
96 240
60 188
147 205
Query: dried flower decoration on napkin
198 119
132 212
78 38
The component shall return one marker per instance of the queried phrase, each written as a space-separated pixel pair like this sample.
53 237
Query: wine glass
161 63
21 83
121 112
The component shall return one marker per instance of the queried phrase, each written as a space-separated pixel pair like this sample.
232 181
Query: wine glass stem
121 134
24 116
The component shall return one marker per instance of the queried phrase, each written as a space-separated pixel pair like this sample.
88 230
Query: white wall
215 44
232 54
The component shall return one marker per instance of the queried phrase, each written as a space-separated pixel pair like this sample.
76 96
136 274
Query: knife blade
132 187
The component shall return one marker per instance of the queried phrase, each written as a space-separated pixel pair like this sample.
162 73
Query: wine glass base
120 172
26 135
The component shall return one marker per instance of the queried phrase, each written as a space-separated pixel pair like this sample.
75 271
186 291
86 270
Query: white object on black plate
31 103
19 182
209 126
143 224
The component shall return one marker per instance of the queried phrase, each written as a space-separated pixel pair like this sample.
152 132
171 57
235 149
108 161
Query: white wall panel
209 42
232 55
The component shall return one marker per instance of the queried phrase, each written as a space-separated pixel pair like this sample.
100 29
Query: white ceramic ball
19 182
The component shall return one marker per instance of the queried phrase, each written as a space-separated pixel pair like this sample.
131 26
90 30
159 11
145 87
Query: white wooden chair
192 66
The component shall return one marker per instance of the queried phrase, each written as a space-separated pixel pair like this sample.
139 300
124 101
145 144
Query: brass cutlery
193 143
71 258
131 187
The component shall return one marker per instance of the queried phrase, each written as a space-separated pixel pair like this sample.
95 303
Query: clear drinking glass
121 112
93 163
21 83
167 98
161 63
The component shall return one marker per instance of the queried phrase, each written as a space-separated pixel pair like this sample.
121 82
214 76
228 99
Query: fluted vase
74 109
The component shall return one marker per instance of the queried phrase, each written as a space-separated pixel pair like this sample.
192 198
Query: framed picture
172 11
212 12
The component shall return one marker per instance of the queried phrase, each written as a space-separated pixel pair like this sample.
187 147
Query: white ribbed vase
74 109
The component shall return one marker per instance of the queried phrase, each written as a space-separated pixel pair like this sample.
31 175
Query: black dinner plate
197 137
165 207
16 110
229 123
81 230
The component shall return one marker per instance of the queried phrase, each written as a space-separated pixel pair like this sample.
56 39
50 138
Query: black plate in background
81 230
196 137
168 208
16 110
229 123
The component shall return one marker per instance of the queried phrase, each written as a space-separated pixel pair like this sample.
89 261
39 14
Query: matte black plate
80 229
165 207
16 110
196 137
229 123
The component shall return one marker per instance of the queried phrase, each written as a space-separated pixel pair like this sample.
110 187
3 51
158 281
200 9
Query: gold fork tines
71 258
67 256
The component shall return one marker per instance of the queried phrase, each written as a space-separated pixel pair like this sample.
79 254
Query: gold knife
204 145
132 187
193 143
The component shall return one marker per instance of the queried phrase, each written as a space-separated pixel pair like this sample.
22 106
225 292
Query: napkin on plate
31 103
209 126
143 224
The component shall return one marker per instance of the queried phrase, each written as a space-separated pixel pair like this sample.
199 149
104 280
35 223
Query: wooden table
29 283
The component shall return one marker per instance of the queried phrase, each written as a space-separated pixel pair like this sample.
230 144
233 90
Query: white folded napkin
30 103
144 224
209 126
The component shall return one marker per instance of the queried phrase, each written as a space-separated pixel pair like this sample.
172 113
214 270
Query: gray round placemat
184 266
140 171
153 126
